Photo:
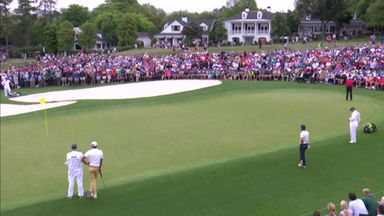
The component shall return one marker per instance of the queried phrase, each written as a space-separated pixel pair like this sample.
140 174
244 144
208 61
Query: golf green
225 150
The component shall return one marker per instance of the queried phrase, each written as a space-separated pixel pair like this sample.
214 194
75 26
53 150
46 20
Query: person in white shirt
94 159
354 121
7 86
357 205
75 171
304 145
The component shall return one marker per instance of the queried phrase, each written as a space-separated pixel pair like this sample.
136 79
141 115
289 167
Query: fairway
230 149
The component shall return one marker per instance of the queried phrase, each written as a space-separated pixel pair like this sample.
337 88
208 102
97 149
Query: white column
256 30
269 28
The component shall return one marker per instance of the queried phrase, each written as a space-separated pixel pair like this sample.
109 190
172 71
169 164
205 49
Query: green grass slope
227 150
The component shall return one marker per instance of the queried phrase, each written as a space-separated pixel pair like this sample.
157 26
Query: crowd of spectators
365 63
368 205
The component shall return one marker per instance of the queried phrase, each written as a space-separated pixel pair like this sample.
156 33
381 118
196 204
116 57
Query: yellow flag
42 101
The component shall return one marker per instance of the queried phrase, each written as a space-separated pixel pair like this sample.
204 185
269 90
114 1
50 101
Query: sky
176 5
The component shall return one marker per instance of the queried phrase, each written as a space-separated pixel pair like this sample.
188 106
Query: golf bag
369 128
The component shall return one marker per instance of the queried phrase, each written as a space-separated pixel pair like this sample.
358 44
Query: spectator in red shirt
349 84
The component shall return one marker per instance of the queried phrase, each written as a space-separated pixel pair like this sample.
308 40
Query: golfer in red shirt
349 84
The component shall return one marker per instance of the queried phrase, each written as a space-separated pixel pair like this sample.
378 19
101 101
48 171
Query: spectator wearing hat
94 159
369 202
75 171
304 145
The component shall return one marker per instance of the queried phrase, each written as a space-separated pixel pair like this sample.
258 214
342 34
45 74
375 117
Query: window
259 15
175 28
244 15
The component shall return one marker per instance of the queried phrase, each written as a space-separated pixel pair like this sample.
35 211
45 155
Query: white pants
352 131
71 184
7 91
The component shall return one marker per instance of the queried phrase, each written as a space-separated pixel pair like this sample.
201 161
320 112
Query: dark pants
303 147
349 92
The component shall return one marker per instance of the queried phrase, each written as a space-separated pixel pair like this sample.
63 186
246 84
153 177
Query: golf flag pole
42 102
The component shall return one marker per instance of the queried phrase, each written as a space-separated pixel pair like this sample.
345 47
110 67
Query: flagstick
46 121
43 102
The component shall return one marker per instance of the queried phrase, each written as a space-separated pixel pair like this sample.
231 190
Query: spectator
357 205
331 209
380 210
369 202
344 209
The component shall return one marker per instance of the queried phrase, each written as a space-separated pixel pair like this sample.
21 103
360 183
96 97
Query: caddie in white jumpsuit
75 171
354 121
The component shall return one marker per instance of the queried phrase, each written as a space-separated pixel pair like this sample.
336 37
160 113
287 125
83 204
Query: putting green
146 138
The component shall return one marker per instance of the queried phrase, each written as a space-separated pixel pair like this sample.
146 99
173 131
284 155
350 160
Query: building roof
253 15
208 22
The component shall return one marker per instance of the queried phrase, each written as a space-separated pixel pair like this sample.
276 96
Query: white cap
93 144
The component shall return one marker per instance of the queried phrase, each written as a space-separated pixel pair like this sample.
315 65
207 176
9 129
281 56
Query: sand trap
123 91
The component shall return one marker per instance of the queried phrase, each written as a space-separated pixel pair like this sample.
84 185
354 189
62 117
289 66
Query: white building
248 26
145 38
172 31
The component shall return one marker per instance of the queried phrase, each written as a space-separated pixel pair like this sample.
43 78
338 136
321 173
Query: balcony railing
249 32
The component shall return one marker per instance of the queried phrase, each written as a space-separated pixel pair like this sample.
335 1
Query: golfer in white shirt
75 171
94 159
354 121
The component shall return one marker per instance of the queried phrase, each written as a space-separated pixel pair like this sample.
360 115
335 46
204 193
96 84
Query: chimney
269 8
184 19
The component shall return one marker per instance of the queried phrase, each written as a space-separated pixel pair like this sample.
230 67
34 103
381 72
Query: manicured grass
226 150
266 48
15 62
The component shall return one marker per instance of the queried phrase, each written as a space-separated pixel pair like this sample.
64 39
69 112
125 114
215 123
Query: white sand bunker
123 91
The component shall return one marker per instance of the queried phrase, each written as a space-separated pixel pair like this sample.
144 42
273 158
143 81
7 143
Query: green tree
75 14
143 24
238 8
37 31
87 36
362 7
155 15
50 38
126 30
65 36
4 21
192 31
107 22
218 33
325 10
119 6
279 25
375 14
293 20
27 11
47 8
